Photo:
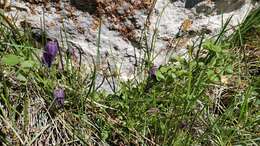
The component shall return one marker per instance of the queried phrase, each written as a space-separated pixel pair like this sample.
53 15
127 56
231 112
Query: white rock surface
174 14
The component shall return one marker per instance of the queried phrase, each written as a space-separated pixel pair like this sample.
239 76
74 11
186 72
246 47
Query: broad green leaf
229 69
210 73
27 64
159 75
173 75
11 60
214 78
258 102
20 77
181 73
209 45
164 69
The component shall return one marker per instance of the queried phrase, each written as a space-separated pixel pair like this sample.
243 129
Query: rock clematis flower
50 52
59 96
72 53
152 78
152 72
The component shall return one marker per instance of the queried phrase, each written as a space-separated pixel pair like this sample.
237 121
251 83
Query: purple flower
50 52
183 125
59 96
152 72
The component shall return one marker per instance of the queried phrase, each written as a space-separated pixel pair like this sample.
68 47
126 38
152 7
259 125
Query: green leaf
164 69
20 77
258 102
173 75
181 73
159 75
214 78
229 69
210 73
209 45
11 60
27 64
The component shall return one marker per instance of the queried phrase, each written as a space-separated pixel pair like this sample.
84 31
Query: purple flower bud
59 96
50 52
152 72
72 53
183 125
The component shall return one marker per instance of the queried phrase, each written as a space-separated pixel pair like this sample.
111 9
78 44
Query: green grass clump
209 97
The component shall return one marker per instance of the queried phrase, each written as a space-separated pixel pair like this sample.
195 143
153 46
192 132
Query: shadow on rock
191 3
89 6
